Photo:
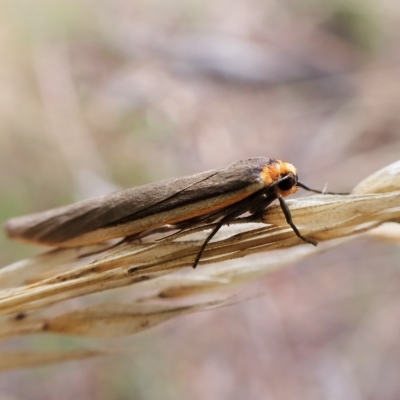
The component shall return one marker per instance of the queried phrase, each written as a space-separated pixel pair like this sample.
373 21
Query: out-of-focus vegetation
100 95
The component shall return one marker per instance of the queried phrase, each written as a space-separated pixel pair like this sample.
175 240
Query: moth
219 196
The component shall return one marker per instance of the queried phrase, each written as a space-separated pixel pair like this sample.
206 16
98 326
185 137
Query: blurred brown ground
100 95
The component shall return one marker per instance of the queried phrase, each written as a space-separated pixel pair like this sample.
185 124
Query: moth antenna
299 184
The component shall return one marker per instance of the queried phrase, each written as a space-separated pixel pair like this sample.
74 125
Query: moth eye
287 183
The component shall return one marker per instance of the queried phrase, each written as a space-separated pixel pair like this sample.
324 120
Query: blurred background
101 95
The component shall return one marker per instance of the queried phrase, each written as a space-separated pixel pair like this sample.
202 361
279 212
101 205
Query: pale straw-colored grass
37 294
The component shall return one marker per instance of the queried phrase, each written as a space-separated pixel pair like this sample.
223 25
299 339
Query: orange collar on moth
274 171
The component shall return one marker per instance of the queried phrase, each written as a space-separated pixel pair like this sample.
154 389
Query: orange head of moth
281 174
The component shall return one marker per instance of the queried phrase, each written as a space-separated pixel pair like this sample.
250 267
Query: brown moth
220 195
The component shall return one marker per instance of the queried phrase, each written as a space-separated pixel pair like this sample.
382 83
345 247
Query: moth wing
52 227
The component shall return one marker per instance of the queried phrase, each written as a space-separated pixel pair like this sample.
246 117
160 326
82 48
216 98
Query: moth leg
289 220
204 245
238 209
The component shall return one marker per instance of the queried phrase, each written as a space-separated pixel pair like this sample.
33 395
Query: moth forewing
141 208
